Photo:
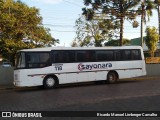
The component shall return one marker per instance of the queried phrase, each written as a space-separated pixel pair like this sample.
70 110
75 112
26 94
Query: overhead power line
58 25
62 31
73 3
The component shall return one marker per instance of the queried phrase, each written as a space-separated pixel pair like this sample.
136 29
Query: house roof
136 41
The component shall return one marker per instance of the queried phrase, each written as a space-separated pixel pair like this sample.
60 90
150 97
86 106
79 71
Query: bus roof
79 48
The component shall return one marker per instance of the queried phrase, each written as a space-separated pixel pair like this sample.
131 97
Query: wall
6 75
153 69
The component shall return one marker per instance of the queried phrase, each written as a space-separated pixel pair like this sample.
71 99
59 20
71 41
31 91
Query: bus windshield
20 60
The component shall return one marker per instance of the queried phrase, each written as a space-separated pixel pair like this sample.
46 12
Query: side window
85 56
126 55
80 55
136 55
105 55
61 56
70 56
117 55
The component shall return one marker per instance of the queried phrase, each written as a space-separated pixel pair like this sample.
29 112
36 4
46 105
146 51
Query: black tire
49 82
112 77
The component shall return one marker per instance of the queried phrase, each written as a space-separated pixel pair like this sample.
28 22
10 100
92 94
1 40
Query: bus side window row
94 56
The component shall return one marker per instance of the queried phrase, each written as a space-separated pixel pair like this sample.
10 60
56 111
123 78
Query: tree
93 32
21 27
114 9
145 10
151 39
157 2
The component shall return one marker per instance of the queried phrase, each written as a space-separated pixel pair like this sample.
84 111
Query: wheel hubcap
50 82
111 77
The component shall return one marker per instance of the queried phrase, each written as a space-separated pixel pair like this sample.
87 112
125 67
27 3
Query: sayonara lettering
82 67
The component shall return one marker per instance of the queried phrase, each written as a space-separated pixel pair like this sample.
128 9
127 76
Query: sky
60 17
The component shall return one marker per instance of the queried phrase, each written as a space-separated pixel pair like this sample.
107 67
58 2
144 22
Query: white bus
60 65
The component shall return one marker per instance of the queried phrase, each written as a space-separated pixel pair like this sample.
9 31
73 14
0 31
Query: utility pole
158 8
121 24
142 21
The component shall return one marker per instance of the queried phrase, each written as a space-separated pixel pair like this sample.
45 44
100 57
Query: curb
144 78
7 87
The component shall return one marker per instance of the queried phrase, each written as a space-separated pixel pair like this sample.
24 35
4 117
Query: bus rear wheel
49 82
112 77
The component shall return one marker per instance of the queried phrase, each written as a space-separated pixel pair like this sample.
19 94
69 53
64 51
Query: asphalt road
126 95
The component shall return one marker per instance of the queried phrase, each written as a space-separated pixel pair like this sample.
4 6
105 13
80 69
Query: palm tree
146 11
157 2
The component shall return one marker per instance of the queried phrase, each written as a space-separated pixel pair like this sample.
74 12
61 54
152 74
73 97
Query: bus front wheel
49 82
112 77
